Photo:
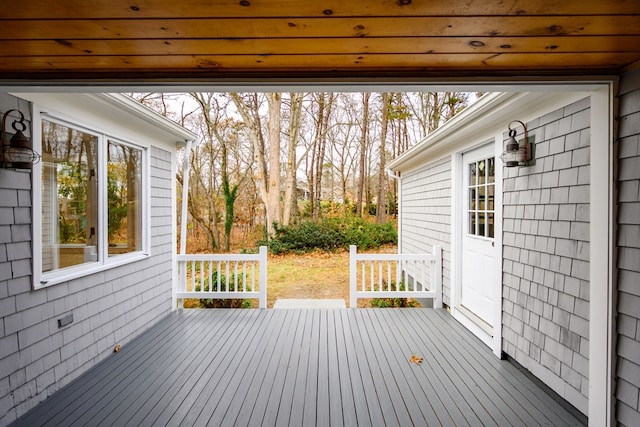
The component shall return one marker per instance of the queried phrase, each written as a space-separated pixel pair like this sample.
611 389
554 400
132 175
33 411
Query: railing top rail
219 257
395 257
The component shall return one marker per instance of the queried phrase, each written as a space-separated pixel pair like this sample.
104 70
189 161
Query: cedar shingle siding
111 307
426 214
546 254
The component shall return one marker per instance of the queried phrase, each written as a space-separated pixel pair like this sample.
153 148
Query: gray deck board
136 403
303 367
168 398
81 399
214 386
462 388
377 394
287 357
521 395
355 409
504 403
266 374
383 359
417 375
310 397
296 359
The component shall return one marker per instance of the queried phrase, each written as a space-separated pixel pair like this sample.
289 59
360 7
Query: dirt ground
317 275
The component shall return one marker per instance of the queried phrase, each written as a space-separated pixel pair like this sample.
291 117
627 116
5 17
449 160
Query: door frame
492 340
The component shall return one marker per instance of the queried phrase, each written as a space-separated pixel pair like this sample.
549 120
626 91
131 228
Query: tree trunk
267 180
312 171
274 213
290 188
363 152
323 118
382 175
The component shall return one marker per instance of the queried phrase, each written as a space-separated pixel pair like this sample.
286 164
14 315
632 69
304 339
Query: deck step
309 303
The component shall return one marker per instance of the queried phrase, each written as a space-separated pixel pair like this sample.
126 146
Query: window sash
124 198
70 198
100 256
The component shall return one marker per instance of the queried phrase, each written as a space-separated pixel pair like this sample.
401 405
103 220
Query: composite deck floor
297 367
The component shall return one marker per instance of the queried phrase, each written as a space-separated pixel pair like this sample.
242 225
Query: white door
478 234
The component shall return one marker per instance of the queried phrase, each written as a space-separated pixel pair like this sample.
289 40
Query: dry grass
318 275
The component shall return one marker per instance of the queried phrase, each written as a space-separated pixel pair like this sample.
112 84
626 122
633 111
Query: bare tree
382 176
290 188
225 132
364 132
432 109
321 120
343 140
239 167
268 177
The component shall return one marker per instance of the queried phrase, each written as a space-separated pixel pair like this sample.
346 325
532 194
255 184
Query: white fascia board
490 114
147 114
113 114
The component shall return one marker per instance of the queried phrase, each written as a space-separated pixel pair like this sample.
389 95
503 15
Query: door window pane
481 224
472 222
490 226
491 170
481 197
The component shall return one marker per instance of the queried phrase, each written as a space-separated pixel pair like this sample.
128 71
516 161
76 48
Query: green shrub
394 302
330 234
213 286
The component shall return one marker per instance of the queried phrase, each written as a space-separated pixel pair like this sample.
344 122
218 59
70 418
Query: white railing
395 276
222 276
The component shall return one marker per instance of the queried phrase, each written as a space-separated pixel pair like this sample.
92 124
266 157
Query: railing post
436 276
263 277
353 300
182 283
174 285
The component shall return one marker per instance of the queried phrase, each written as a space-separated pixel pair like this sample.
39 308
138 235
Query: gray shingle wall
628 242
109 308
546 254
426 214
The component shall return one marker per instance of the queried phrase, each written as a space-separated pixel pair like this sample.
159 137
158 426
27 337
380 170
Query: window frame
144 194
489 201
104 260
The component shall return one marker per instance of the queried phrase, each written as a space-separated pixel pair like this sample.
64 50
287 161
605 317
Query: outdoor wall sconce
17 152
517 153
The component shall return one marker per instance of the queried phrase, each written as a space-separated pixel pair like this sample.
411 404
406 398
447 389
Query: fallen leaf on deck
415 359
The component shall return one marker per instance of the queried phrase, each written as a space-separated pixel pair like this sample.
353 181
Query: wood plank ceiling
133 39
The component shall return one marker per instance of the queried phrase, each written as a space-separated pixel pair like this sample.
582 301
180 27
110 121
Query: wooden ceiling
194 39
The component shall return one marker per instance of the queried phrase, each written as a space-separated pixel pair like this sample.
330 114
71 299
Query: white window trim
40 279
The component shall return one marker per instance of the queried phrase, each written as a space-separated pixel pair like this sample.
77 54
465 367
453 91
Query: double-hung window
91 202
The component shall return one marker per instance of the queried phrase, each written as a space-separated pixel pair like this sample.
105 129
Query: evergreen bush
330 234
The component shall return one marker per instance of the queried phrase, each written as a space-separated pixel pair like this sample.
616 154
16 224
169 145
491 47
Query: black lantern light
517 153
17 152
